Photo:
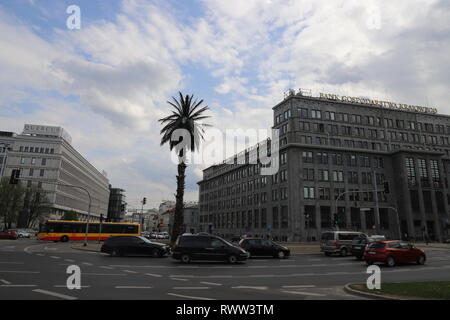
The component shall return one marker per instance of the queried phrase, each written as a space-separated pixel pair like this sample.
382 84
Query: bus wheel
64 239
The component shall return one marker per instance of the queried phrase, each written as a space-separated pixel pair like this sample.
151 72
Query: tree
186 115
70 216
11 201
36 206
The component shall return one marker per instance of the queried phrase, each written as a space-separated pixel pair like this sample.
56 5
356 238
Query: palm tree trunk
177 228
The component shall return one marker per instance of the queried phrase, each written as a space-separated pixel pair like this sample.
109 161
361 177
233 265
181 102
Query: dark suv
206 247
263 247
133 245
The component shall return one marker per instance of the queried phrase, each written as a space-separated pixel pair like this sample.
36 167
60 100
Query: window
307 157
33 160
31 172
316 114
410 171
42 172
338 176
435 175
44 161
323 175
308 174
22 160
309 193
302 113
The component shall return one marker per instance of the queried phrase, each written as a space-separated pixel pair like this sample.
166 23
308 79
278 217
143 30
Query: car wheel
281 255
185 258
155 253
421 260
344 252
390 262
232 259
64 239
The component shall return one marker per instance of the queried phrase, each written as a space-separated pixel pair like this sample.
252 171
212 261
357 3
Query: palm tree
186 114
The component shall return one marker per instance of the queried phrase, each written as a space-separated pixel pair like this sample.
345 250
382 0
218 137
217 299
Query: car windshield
145 239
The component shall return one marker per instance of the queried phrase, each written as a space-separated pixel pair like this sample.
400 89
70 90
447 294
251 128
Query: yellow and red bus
62 230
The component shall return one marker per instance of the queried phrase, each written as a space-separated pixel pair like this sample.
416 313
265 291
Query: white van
340 242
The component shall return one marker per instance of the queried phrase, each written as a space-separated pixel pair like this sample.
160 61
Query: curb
366 294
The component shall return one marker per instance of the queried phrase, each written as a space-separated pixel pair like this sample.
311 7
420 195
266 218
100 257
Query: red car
8 234
393 252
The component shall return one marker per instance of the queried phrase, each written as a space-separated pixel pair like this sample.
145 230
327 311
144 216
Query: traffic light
335 219
386 187
15 176
144 201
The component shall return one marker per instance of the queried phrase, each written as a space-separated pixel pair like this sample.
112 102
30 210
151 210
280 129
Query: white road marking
104 274
305 293
250 287
188 297
132 287
55 294
12 262
87 264
154 275
17 285
53 257
299 286
190 288
178 279
14 271
105 267
65 286
4 281
40 254
129 271
69 260
211 283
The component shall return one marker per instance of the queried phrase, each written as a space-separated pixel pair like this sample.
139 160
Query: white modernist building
47 159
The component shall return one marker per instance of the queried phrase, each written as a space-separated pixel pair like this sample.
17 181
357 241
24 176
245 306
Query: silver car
338 242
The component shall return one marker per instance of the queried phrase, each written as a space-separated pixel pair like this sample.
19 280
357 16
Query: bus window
93 228
130 229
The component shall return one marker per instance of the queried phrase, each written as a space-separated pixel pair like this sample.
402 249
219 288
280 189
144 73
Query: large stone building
47 159
334 153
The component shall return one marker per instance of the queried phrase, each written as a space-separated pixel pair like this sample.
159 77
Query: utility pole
377 208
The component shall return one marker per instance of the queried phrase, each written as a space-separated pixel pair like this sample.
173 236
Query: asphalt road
37 270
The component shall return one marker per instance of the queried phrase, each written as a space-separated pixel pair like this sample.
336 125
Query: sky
107 83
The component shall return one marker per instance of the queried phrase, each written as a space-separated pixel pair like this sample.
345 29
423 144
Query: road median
434 290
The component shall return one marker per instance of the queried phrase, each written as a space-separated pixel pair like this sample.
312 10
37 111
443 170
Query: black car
206 247
134 245
263 247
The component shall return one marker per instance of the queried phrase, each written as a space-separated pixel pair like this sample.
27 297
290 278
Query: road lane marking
55 294
299 286
190 288
4 281
154 275
104 274
65 286
211 283
69 260
15 271
129 271
132 287
250 287
87 264
11 262
105 267
40 254
17 285
188 297
304 293
179 279
53 257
